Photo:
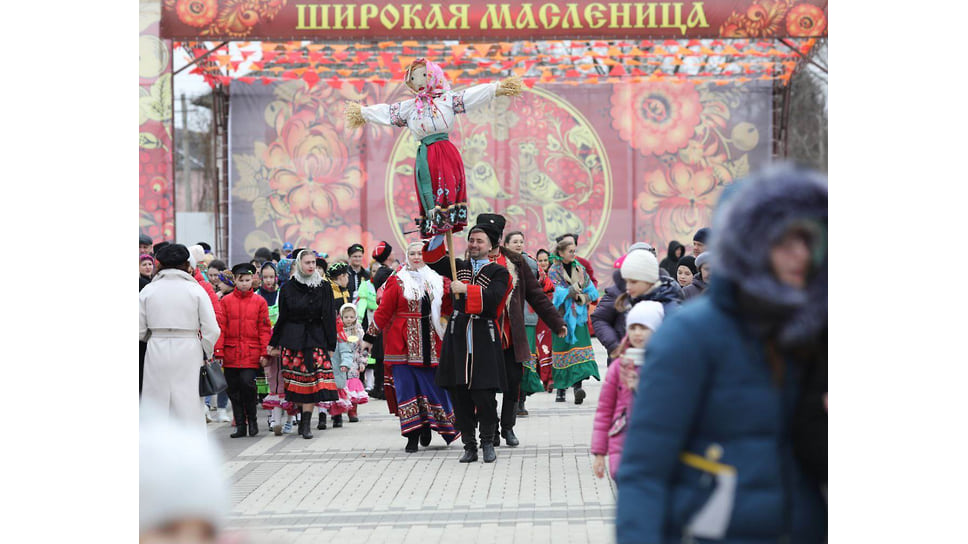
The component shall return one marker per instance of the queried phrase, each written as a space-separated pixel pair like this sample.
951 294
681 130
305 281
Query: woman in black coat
306 334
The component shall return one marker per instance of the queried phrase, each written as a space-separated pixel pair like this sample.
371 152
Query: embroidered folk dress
572 358
409 320
439 172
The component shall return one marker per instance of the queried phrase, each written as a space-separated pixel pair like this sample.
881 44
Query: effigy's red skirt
450 191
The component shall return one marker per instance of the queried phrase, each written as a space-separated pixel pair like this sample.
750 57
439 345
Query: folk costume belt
425 189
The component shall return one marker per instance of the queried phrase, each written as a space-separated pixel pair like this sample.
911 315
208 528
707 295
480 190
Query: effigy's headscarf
437 83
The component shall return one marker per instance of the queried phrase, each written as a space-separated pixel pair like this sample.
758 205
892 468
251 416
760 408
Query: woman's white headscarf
312 280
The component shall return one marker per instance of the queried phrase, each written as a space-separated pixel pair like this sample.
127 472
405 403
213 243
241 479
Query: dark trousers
470 407
242 393
378 376
509 398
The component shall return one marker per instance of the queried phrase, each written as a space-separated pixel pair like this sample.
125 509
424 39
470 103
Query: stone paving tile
356 484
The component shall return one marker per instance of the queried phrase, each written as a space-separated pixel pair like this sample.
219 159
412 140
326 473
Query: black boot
425 435
470 454
489 454
522 411
322 421
337 421
561 396
304 424
253 418
509 437
579 395
412 438
240 430
487 444
238 414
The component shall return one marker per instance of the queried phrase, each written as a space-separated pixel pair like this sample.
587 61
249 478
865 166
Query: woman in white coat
178 323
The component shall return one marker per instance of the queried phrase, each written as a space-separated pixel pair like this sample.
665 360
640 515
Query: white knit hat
647 313
181 472
640 265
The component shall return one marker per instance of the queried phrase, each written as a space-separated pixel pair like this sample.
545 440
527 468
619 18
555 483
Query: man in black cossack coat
471 365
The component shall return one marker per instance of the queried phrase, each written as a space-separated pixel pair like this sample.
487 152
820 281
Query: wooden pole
450 254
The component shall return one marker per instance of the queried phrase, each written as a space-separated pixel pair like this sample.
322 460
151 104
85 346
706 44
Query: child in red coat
243 347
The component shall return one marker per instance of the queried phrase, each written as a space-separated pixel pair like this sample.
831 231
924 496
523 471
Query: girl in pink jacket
618 392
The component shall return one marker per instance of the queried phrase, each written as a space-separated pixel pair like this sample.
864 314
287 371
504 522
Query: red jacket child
246 330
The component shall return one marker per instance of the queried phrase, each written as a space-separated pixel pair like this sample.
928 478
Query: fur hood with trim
752 216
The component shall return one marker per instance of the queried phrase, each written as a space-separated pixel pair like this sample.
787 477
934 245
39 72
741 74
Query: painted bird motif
538 188
482 182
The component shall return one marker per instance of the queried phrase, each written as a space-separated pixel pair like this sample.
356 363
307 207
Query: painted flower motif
692 153
678 201
309 164
197 13
806 20
656 118
760 20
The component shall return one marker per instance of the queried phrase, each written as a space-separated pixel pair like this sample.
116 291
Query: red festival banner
479 20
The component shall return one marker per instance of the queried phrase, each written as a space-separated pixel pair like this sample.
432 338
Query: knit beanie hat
640 265
702 235
702 259
689 262
648 313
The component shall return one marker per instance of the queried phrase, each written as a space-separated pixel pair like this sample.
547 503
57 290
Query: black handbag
211 381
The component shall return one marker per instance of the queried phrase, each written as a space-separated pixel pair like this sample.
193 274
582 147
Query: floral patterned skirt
421 402
308 382
572 363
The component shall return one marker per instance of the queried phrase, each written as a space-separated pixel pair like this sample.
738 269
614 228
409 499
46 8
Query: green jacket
365 306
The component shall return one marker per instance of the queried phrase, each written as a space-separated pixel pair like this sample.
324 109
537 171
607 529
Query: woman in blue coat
709 455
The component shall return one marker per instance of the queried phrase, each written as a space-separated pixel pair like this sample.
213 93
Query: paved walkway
356 484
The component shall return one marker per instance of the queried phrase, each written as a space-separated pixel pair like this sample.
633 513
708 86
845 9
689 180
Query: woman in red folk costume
409 316
430 115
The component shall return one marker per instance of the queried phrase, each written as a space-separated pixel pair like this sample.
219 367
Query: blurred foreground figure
183 496
710 455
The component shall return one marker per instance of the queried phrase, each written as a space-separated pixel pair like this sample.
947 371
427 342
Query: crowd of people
712 415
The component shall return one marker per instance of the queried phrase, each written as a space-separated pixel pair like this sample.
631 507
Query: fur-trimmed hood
753 215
